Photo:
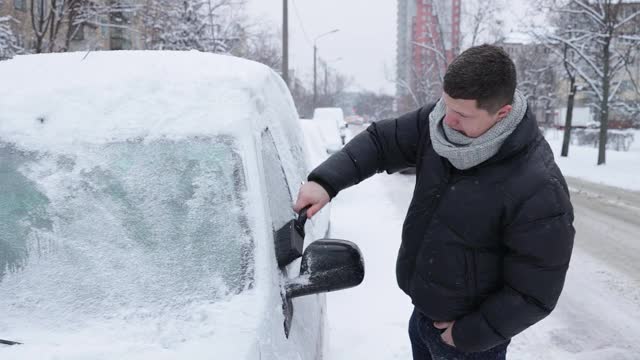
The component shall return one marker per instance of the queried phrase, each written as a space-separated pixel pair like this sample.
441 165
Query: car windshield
123 229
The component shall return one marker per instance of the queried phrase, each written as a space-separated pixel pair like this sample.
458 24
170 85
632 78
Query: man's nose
451 121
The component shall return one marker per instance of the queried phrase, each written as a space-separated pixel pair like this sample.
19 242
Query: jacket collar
523 136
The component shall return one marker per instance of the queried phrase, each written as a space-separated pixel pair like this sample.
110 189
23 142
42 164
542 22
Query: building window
20 5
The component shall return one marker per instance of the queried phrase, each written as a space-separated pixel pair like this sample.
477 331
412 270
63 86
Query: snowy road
598 316
608 223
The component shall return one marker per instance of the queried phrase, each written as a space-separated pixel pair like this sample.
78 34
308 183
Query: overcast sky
366 41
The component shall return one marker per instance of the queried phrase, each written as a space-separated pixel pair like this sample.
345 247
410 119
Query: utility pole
315 76
285 41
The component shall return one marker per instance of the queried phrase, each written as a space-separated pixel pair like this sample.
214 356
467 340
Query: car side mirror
327 265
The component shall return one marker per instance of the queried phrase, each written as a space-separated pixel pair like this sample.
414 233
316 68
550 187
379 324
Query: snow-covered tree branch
8 41
483 22
604 36
206 25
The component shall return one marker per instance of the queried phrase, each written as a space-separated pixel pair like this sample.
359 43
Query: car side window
280 201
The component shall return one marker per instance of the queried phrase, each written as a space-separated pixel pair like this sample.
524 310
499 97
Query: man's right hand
313 194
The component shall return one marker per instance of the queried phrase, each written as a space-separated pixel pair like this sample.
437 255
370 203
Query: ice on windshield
123 229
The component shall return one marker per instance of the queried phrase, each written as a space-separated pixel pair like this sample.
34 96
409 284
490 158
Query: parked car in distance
354 120
316 147
332 126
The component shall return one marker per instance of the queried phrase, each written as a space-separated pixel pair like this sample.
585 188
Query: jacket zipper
472 285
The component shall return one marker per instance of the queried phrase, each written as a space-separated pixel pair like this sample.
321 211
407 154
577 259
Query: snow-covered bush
8 42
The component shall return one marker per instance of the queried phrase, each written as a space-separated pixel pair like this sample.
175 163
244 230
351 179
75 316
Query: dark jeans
427 344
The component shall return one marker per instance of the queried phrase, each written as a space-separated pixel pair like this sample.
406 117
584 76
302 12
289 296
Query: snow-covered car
146 212
354 120
316 146
331 123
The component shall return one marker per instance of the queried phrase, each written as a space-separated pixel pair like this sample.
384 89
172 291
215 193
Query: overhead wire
304 32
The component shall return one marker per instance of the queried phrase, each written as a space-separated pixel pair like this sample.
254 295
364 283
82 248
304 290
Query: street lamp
315 65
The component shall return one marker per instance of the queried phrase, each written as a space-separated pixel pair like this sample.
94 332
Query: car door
307 312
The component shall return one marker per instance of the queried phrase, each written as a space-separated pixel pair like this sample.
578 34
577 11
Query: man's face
465 116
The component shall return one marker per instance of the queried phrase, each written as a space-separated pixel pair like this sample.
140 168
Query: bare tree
536 72
115 15
604 36
49 17
206 25
421 86
483 23
334 96
374 106
41 19
567 57
334 86
426 76
260 43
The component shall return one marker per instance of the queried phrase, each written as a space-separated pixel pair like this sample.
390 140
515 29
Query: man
488 235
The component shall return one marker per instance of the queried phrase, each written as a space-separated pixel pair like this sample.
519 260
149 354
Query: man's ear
504 112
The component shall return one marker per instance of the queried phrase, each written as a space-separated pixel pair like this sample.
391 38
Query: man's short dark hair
483 73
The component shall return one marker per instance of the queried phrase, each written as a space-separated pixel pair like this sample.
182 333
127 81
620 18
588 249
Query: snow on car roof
105 96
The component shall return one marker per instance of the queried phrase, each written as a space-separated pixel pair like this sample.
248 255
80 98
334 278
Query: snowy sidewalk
370 321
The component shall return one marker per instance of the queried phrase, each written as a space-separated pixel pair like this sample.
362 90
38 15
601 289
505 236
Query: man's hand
446 336
313 194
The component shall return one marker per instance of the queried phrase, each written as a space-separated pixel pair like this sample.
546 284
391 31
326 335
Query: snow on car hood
222 330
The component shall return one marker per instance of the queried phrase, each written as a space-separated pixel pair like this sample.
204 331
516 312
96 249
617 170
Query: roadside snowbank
622 169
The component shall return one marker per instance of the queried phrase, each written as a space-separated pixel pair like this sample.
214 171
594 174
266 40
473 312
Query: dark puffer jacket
488 247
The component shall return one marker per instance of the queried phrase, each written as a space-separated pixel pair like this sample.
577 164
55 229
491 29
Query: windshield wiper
7 342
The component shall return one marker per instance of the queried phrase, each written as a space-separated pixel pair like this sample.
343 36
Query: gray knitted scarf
464 152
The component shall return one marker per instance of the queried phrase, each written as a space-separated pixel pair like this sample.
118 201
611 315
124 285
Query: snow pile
622 169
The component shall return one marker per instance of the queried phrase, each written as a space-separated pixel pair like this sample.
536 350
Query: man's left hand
447 335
